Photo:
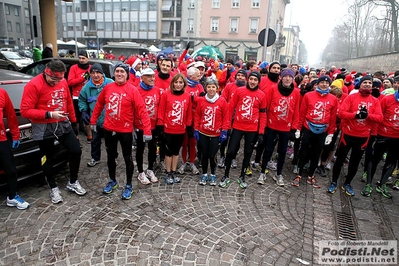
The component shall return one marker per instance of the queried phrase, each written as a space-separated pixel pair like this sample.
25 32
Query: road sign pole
267 31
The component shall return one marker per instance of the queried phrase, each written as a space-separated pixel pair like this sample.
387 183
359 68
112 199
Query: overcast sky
316 19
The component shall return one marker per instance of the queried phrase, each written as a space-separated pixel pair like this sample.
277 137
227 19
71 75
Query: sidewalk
186 223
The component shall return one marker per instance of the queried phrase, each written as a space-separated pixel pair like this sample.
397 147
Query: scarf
365 92
192 83
178 92
163 76
98 83
254 89
145 86
284 90
83 66
323 92
240 83
273 76
212 100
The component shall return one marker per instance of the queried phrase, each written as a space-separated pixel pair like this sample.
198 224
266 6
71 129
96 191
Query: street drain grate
346 227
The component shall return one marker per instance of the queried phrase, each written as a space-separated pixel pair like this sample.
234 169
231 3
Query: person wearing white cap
151 95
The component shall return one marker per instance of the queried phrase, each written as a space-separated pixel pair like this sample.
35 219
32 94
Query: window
253 25
134 26
234 25
215 3
69 8
125 6
125 26
9 26
26 13
235 3
117 26
108 6
190 27
108 26
191 4
16 11
70 26
152 26
100 7
143 26
255 3
100 25
143 6
215 25
18 27
117 6
134 5
7 9
153 5
78 25
27 29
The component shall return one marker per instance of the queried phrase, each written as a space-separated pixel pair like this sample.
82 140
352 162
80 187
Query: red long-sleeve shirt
175 112
282 111
211 118
7 111
359 127
250 110
151 99
318 109
389 127
76 80
162 84
123 103
265 84
39 97
229 90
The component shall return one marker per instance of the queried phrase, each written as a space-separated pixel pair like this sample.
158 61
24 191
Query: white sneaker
296 169
143 179
76 187
279 180
194 169
221 162
234 163
181 169
55 195
261 179
271 165
17 202
328 166
152 176
92 163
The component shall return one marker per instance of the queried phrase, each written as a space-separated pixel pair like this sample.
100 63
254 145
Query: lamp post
32 33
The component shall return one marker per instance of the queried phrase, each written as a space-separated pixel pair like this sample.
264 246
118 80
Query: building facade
19 23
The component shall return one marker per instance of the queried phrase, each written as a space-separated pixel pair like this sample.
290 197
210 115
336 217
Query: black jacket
47 53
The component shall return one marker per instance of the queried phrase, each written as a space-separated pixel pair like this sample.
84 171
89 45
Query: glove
147 138
15 144
202 94
85 117
223 136
75 128
260 138
91 99
362 113
190 131
297 134
86 75
93 128
196 135
328 139
161 132
188 46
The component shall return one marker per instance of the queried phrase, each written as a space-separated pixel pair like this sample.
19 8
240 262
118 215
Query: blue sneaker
348 189
17 202
168 179
332 188
127 192
112 184
212 181
203 179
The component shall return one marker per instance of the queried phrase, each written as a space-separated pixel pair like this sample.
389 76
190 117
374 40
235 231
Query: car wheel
10 67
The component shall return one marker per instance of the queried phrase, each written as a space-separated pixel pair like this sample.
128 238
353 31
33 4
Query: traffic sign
271 38
90 33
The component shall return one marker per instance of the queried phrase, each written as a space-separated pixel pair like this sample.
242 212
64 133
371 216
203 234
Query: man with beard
282 112
78 76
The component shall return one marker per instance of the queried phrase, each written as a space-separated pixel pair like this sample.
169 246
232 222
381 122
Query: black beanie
124 66
367 77
273 63
83 53
230 61
241 71
97 67
255 74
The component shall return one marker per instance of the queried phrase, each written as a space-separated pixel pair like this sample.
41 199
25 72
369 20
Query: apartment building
19 23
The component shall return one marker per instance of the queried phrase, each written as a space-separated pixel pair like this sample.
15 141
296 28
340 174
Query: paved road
186 223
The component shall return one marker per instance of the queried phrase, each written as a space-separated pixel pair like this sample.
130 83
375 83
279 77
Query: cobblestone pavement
186 223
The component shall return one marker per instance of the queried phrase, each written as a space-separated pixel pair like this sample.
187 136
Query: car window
14 91
2 56
36 70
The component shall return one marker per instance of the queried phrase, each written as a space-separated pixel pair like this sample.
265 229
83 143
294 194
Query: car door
3 61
